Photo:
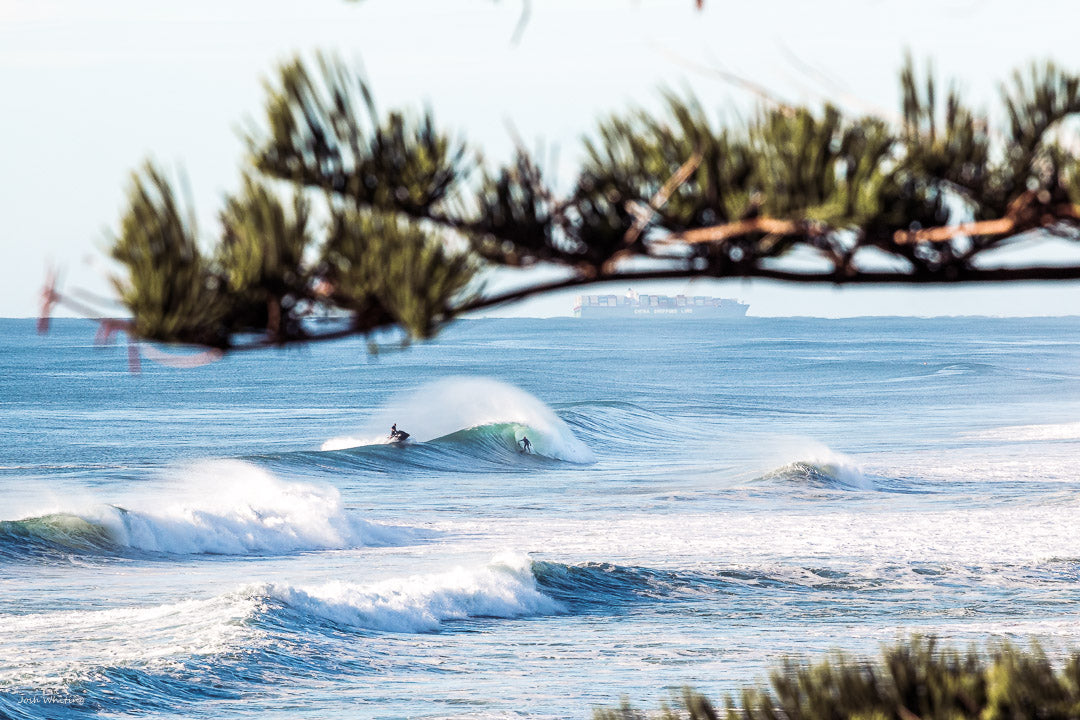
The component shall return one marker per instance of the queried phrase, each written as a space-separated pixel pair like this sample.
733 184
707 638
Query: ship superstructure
637 305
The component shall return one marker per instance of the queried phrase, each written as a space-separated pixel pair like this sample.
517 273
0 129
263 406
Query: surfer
526 446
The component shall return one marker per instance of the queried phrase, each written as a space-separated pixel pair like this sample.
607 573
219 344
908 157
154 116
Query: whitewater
703 499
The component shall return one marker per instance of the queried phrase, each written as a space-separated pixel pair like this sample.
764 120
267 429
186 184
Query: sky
90 90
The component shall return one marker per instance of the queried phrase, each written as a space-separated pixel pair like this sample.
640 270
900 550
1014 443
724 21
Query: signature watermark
51 698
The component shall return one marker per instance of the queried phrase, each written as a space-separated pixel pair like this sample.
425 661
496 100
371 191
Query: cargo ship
633 305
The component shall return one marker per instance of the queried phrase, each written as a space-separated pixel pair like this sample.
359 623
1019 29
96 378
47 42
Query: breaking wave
142 655
249 511
474 416
504 588
818 467
824 476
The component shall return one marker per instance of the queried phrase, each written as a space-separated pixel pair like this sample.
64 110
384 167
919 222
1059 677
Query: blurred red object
48 301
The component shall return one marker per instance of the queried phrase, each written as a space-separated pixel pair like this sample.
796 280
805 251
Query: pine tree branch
1006 226
739 228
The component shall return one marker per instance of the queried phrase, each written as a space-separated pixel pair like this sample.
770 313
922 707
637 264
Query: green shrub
912 680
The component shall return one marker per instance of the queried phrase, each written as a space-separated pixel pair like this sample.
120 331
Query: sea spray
445 407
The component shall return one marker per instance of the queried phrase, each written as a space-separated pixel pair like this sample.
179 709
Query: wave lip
504 588
243 510
438 412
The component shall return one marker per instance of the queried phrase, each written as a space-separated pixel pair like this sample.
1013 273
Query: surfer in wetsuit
394 432
526 446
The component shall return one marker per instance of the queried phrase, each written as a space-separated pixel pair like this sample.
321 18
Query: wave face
473 415
248 511
808 474
602 587
49 533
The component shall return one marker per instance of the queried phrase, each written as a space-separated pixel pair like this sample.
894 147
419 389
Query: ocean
704 499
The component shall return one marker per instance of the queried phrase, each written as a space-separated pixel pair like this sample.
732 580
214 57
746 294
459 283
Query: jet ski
399 436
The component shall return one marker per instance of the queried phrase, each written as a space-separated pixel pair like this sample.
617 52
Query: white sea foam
503 588
57 649
447 406
1030 433
1037 462
233 507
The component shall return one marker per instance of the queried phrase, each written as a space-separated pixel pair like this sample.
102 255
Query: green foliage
960 152
598 223
514 222
262 257
266 270
956 153
913 679
1036 105
634 155
318 136
820 167
389 270
170 289
795 160
1069 168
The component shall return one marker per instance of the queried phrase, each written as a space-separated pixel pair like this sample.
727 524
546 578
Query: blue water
238 540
